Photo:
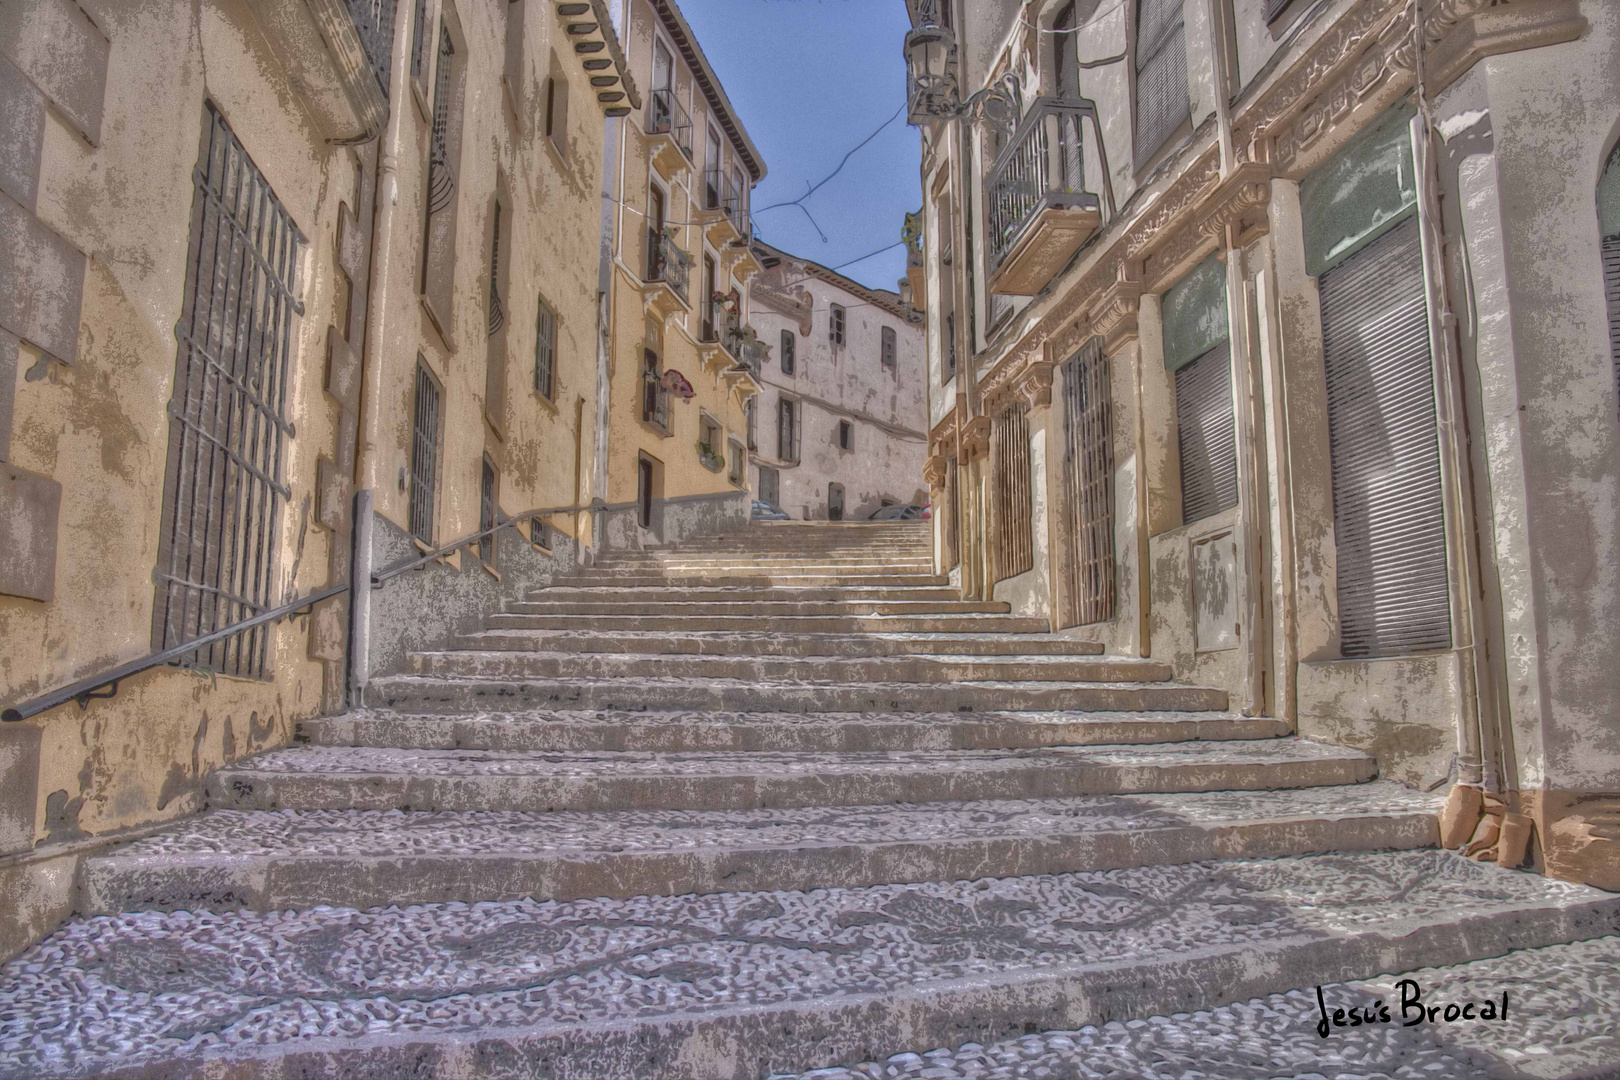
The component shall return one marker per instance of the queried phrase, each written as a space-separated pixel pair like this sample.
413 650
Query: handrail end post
10 716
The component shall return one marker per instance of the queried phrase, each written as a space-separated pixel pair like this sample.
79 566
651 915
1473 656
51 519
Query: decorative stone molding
1290 126
1114 317
1036 385
934 472
975 440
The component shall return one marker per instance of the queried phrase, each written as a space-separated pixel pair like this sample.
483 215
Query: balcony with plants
669 134
721 210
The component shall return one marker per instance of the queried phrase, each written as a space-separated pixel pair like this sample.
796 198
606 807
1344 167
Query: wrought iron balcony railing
374 20
667 116
1041 168
668 263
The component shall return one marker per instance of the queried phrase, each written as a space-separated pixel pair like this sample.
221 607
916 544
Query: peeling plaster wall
99 425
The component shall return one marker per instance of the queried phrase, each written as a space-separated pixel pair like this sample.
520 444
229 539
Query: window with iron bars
441 178
654 398
424 453
223 489
787 430
545 350
486 513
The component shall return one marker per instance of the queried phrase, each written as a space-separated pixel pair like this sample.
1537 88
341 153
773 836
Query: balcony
336 54
1038 209
669 134
722 209
669 273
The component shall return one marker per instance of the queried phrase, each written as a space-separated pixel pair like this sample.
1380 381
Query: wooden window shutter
1611 284
1388 516
545 350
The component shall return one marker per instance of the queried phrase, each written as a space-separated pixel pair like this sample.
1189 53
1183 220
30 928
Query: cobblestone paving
1563 1021
587 764
142 987
383 833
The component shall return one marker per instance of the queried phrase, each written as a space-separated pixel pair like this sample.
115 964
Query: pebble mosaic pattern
144 987
384 833
1563 1021
365 760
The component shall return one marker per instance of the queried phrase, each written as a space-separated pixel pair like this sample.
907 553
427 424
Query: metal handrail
84 691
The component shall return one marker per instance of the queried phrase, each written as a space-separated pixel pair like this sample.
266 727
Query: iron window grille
374 20
1013 549
223 488
886 354
949 347
497 310
835 324
424 454
441 181
789 351
1162 103
1088 487
419 42
545 350
486 513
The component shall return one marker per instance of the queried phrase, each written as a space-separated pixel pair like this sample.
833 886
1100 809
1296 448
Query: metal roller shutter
1389 519
1207 432
1162 101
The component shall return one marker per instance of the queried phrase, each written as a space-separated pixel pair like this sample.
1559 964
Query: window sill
545 402
558 158
662 433
490 570
445 337
419 96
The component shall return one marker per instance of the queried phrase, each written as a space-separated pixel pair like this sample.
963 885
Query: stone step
758 643
759 607
755 567
741 985
684 592
382 778
463 694
673 732
683 578
508 664
1563 1023
807 624
276 861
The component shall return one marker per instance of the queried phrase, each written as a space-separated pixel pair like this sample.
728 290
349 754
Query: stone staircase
778 801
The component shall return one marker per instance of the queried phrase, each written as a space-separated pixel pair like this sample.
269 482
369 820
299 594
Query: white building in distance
841 427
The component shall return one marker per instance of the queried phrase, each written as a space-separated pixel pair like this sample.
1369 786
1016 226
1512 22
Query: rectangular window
846 435
1087 510
787 433
441 178
557 115
497 309
495 351
1012 549
770 486
1207 435
654 398
711 172
444 148
711 444
486 513
1162 102
739 463
516 83
222 490
835 502
790 344
710 329
419 43
545 349
887 354
1388 513
752 416
835 324
948 348
424 454
644 492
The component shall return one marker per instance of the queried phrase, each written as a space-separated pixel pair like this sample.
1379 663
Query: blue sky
811 78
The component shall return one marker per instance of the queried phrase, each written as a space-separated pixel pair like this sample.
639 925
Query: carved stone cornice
1036 385
1114 317
934 472
975 440
1352 65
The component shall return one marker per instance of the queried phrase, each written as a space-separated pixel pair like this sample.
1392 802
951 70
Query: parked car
764 511
902 512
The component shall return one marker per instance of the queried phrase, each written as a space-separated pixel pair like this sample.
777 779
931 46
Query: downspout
378 294
1479 780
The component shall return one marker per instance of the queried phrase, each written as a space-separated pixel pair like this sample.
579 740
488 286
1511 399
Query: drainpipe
1480 783
378 292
